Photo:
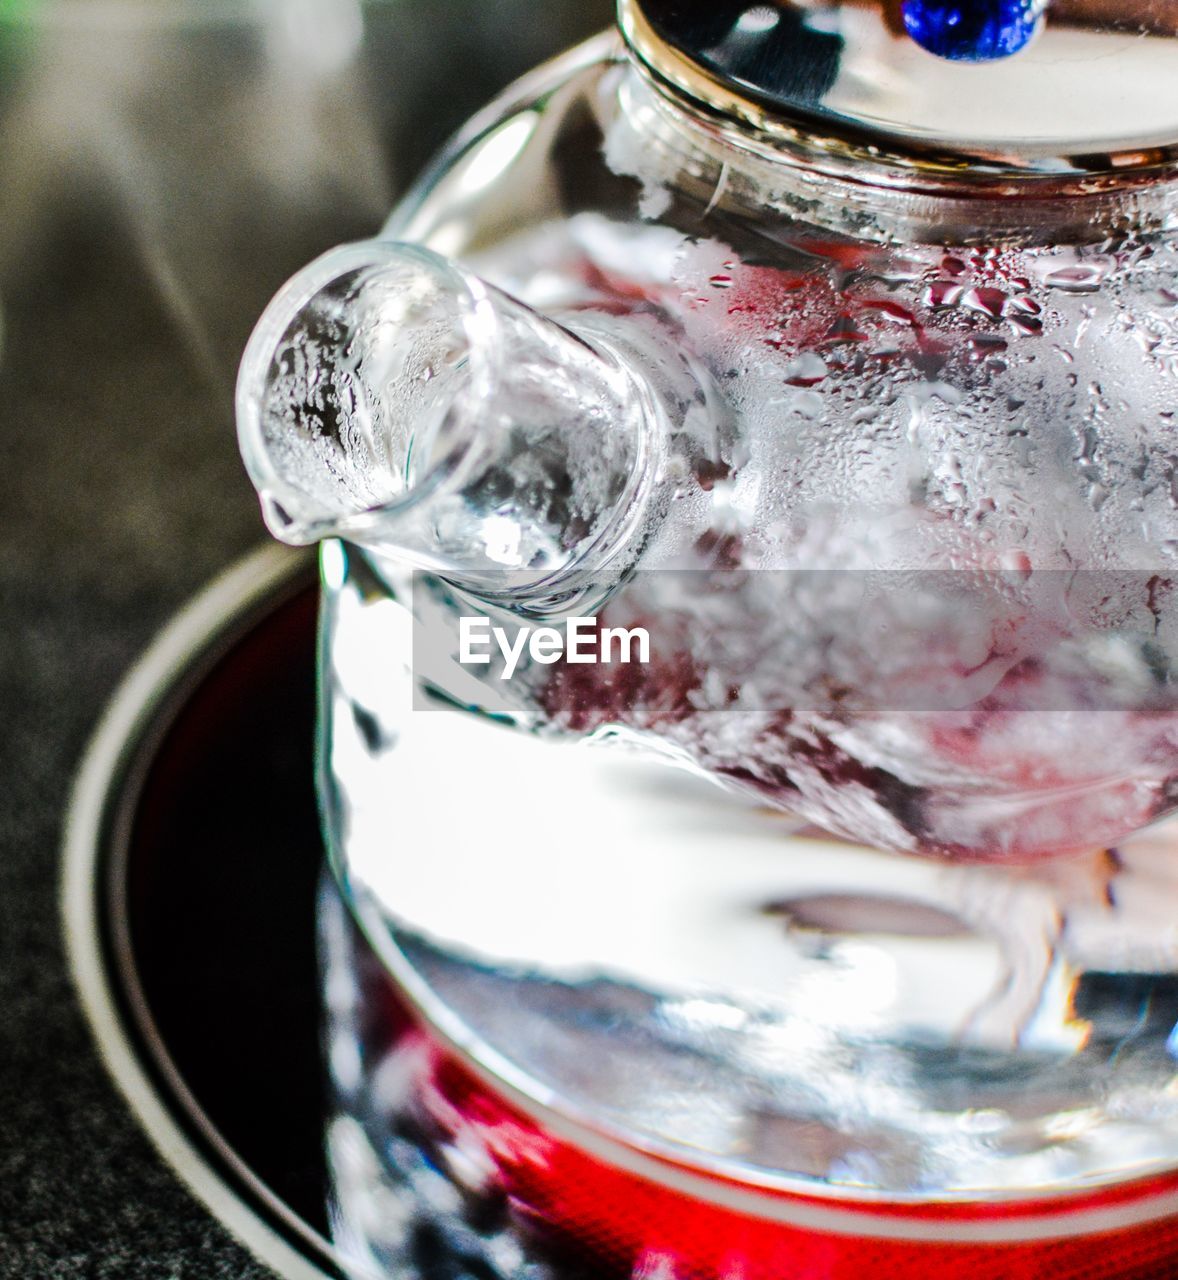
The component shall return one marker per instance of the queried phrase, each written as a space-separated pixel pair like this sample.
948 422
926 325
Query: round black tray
192 858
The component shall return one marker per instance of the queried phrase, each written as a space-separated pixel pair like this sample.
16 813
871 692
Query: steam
203 126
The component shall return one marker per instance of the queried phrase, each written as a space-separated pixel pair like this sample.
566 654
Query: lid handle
973 30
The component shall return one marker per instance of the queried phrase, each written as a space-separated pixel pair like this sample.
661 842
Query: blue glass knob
972 30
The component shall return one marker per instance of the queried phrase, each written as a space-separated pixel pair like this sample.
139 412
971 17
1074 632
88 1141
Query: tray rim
105 790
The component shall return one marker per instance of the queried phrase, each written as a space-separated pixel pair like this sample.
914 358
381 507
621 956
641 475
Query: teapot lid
1040 87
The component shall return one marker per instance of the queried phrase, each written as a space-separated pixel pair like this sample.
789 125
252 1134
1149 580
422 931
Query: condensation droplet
986 301
942 293
1029 325
890 311
809 405
1080 277
1023 306
1015 562
806 370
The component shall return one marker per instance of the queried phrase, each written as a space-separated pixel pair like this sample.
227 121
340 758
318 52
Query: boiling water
703 972
911 580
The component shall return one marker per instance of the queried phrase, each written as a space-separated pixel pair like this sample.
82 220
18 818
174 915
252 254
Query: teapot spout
392 398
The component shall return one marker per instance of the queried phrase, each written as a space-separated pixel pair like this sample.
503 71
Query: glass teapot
764 418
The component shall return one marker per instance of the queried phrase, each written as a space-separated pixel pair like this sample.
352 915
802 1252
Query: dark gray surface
156 184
